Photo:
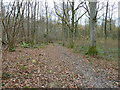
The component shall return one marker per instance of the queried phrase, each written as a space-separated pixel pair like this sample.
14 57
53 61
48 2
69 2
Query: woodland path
91 77
55 66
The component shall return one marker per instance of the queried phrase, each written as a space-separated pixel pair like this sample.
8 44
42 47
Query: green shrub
12 49
92 51
25 45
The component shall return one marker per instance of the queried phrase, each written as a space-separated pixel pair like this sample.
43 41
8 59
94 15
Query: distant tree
28 20
34 23
46 10
105 29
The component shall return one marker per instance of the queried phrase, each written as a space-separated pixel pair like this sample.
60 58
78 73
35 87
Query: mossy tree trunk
72 26
92 49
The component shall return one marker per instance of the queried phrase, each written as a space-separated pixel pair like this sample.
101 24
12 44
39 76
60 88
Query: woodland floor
58 67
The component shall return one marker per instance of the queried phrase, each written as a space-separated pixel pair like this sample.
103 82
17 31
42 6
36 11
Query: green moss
26 87
92 51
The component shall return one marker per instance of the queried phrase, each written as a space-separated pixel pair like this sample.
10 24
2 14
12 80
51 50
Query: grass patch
31 45
26 87
41 46
109 54
25 45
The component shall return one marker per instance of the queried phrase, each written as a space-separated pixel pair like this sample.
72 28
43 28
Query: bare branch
80 16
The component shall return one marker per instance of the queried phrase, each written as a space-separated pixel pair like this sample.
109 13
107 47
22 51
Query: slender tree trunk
36 33
34 30
72 26
28 21
46 8
105 29
0 43
0 32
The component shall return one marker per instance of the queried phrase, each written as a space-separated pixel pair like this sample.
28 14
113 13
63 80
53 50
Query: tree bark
105 29
92 50
46 8
92 23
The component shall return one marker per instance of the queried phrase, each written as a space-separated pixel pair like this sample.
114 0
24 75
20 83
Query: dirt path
60 68
86 71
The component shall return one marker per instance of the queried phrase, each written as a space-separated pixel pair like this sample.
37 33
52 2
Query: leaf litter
54 67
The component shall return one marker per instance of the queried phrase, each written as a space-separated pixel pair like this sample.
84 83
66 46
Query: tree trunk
46 8
0 42
28 22
106 20
34 30
105 29
92 50
0 29
72 27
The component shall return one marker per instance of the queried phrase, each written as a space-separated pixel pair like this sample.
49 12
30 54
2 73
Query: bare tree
72 23
11 23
